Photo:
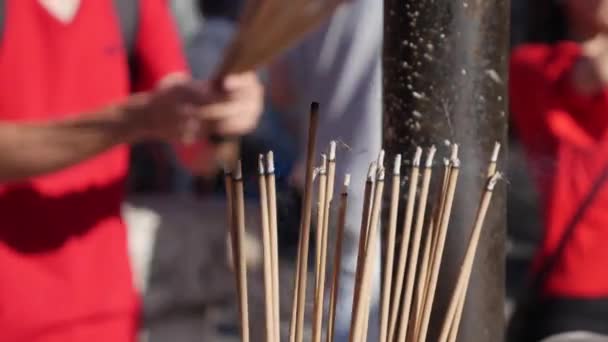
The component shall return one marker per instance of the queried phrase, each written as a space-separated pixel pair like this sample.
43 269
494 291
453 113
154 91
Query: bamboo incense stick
405 242
428 304
335 284
390 250
229 187
413 261
459 310
267 252
365 217
318 304
467 266
322 194
320 293
368 260
272 212
430 247
240 243
290 22
302 260
366 309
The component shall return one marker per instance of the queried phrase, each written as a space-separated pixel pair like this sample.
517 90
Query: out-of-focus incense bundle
410 274
267 27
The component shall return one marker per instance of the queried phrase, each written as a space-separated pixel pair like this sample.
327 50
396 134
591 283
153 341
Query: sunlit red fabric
63 254
565 137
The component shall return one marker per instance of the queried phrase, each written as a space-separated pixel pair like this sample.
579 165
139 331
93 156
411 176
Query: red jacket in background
63 252
565 137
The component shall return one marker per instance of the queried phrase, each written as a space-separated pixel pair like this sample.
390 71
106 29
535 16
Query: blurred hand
169 113
234 107
590 72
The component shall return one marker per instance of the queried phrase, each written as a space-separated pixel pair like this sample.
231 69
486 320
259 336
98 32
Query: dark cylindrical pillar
445 80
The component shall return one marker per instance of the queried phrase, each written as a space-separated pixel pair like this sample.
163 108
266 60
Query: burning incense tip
493 180
455 162
261 164
270 162
495 152
314 107
346 181
238 171
380 174
430 157
454 154
323 168
397 166
417 157
381 158
372 171
332 151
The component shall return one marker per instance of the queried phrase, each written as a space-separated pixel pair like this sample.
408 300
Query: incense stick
405 242
463 292
318 305
390 250
290 23
430 247
365 217
320 293
272 212
368 259
240 243
412 265
366 309
428 304
267 252
335 284
300 294
466 268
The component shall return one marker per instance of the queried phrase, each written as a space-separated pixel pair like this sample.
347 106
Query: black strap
127 11
128 14
550 263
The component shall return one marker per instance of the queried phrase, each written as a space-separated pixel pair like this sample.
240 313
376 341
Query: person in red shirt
559 104
66 118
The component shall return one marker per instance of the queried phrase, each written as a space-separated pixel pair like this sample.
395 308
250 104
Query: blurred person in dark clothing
559 102
66 118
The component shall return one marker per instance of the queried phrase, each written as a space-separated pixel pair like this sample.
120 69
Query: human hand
590 72
235 105
168 113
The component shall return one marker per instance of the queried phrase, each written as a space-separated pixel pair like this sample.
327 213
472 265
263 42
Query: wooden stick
368 262
428 305
267 252
242 262
405 242
413 261
467 266
229 187
320 295
317 322
366 308
365 217
335 284
322 194
459 310
300 295
390 250
272 212
430 247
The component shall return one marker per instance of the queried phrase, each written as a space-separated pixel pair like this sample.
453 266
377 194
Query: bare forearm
28 150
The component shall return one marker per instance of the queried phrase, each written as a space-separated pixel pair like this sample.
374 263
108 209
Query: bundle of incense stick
267 27
410 275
